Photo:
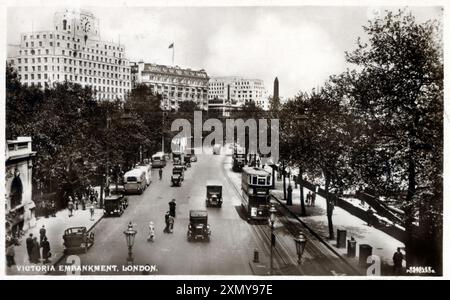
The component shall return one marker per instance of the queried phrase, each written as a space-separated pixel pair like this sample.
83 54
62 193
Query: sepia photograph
253 139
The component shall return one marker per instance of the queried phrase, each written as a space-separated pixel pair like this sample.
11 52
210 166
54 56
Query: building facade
174 84
73 51
230 93
20 208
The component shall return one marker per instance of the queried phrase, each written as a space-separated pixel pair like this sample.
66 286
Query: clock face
85 24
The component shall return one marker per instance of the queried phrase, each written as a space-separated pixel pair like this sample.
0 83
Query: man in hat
172 206
29 243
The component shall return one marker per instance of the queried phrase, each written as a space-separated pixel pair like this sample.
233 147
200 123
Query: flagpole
173 55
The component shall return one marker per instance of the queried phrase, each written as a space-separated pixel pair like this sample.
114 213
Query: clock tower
82 24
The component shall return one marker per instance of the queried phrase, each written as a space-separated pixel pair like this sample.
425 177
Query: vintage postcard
254 139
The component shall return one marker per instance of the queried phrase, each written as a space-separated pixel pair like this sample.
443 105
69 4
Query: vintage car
115 205
213 193
198 225
116 189
77 239
177 158
191 153
216 149
177 175
187 161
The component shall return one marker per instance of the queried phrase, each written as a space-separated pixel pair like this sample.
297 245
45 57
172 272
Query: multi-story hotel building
172 83
230 93
74 52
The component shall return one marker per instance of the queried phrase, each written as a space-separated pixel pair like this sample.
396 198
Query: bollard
256 256
341 237
289 195
351 248
364 252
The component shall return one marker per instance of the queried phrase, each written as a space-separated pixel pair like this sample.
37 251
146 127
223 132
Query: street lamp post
130 233
272 216
300 244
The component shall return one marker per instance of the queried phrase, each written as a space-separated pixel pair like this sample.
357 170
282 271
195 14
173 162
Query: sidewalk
55 227
383 245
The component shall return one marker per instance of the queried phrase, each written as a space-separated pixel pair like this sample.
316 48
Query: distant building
174 84
72 51
231 93
20 208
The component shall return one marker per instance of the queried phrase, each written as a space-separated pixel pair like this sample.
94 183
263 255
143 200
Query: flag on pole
171 46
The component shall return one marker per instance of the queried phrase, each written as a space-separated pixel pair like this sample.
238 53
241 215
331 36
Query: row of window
75 47
70 69
95 88
74 54
174 80
70 61
71 77
63 37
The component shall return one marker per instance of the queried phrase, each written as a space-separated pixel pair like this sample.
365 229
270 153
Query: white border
212 3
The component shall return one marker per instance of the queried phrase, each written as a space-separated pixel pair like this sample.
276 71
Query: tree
295 141
328 123
144 104
188 106
397 97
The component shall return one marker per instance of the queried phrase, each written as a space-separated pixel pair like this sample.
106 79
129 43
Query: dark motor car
213 193
198 225
115 205
77 238
177 175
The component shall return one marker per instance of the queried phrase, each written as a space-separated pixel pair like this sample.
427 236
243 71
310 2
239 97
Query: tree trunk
284 181
302 198
409 212
330 207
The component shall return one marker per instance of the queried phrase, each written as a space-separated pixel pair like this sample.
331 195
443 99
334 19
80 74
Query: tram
256 184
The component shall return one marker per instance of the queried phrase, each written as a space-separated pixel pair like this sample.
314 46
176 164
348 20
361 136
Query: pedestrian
45 208
53 208
70 207
42 233
172 206
46 250
313 199
29 243
398 260
91 210
166 218
160 173
308 197
35 253
10 253
83 202
151 232
171 223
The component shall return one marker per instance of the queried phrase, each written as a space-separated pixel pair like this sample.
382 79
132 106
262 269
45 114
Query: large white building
174 84
229 93
72 51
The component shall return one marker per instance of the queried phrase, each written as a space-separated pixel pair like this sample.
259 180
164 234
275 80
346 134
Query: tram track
331 262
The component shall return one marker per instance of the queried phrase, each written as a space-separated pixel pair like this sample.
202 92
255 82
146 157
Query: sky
302 46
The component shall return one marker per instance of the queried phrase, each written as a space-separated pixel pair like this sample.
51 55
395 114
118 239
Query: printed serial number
242 289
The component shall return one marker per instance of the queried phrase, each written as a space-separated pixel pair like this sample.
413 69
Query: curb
62 256
316 235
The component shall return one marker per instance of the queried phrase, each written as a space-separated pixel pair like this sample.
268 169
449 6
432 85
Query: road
232 242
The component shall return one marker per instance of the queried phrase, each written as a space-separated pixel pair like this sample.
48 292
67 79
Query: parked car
76 239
